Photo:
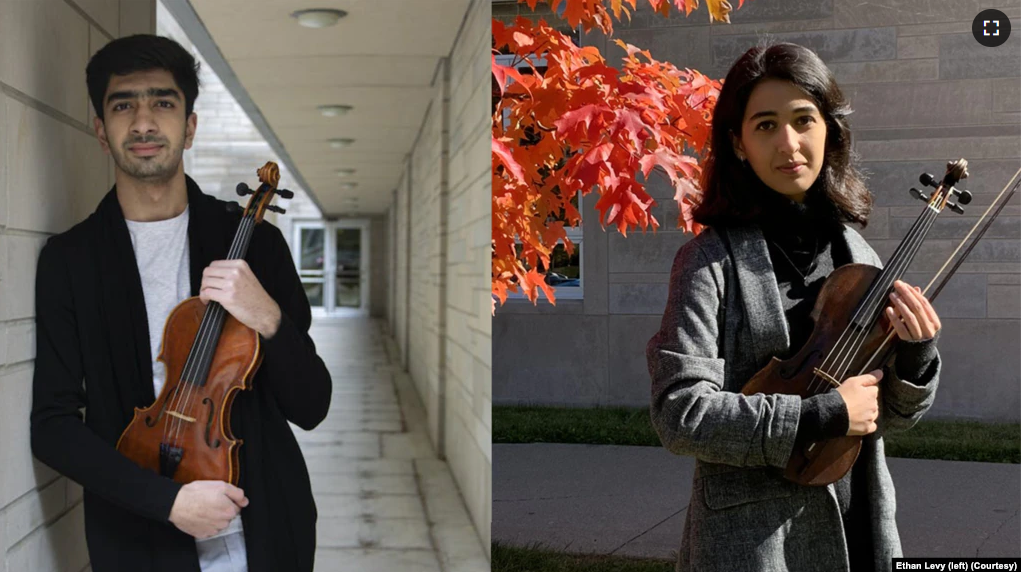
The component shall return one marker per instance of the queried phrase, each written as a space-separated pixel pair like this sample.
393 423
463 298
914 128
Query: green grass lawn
536 559
946 440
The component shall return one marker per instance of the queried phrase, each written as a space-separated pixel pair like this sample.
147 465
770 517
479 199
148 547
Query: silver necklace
815 256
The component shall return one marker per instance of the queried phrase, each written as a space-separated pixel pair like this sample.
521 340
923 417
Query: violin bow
999 204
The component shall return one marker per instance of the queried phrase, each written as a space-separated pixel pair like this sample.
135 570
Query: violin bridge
179 416
818 372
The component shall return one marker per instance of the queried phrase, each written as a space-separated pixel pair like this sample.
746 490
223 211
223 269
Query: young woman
777 189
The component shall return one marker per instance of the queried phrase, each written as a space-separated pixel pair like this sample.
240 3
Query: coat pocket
725 490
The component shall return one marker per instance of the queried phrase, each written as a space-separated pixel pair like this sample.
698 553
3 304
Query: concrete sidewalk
385 501
631 501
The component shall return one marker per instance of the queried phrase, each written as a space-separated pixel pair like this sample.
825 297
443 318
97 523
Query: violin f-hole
792 370
215 443
149 421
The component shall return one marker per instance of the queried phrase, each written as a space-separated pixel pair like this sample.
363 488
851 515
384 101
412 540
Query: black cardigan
92 352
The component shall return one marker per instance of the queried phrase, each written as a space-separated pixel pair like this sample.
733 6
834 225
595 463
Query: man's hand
203 508
232 284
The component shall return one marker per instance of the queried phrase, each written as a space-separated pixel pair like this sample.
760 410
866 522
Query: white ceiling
380 59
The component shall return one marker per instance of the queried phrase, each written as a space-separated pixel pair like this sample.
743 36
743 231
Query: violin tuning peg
919 194
963 197
284 193
954 207
276 209
233 207
243 189
928 180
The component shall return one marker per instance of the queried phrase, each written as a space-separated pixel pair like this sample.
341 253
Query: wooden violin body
192 419
209 356
823 462
851 334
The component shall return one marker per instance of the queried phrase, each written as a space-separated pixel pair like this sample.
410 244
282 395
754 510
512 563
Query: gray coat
723 322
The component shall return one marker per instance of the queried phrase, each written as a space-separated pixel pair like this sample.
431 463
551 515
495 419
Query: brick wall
923 92
52 174
442 238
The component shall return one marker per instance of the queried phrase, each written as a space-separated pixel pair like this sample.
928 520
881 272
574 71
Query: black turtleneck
805 243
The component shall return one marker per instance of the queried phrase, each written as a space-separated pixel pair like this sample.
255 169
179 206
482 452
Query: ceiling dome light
338 143
318 17
334 110
345 172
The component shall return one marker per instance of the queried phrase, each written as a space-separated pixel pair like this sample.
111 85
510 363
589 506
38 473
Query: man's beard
149 169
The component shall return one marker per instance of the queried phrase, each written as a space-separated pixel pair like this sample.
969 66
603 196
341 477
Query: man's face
145 130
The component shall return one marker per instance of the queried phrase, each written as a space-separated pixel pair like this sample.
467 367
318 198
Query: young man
104 290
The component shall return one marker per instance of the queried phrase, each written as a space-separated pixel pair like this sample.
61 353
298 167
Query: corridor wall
439 304
52 175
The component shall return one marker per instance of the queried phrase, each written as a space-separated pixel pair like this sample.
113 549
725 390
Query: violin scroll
269 176
956 170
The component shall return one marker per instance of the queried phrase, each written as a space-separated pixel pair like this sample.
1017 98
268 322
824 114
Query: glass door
349 260
311 261
332 259
348 271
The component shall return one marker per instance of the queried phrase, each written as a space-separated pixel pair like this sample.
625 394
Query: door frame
329 308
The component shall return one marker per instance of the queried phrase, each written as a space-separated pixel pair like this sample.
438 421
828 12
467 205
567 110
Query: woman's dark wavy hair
142 52
731 193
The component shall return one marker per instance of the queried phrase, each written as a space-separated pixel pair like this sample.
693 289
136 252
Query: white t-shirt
161 252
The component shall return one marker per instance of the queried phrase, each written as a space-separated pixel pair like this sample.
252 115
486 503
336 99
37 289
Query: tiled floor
385 501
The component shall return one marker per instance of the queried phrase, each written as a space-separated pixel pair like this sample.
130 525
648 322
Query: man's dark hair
142 52
731 192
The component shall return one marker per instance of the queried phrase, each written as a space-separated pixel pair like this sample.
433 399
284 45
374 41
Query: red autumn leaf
501 152
522 39
500 73
578 125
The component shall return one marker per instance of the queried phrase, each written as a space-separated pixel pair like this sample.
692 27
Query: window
566 273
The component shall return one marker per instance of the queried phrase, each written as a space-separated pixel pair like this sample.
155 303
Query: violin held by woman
787 347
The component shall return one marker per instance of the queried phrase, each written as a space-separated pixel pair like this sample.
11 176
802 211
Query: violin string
205 346
206 333
875 296
996 201
879 302
813 389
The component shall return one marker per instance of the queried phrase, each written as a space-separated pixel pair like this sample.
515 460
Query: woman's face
783 136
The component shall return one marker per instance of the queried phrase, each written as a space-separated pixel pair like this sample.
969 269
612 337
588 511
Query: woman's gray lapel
759 291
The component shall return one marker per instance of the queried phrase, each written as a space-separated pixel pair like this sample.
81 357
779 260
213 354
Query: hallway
385 501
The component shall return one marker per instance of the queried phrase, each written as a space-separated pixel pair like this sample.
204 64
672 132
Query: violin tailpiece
170 458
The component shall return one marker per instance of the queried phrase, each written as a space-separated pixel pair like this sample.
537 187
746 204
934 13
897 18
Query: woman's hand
911 314
861 397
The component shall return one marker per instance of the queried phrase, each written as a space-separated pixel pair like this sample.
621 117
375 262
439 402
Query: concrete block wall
52 174
379 234
402 246
924 92
439 309
429 195
392 236
468 368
